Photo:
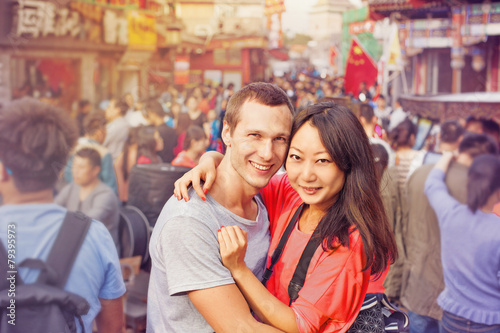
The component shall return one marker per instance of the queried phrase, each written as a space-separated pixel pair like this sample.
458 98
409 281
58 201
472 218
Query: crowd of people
288 164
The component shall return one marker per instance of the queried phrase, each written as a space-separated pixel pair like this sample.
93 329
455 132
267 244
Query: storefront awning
485 105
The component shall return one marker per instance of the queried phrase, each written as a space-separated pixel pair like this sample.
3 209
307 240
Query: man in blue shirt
35 140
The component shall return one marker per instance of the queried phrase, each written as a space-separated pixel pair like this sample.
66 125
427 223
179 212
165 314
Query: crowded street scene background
201 138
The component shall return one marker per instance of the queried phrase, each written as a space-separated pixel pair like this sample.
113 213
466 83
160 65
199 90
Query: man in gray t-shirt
190 290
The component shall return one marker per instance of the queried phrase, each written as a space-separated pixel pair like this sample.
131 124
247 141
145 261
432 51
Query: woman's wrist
239 273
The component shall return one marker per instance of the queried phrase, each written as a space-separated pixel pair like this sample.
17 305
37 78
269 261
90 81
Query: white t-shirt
185 257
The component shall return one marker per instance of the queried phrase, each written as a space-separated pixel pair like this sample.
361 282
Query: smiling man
190 290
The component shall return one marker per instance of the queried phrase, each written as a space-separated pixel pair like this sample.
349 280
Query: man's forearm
267 307
110 319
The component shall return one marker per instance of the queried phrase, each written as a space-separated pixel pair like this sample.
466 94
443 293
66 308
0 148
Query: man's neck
89 137
369 130
443 146
86 190
15 197
240 201
194 156
464 159
110 120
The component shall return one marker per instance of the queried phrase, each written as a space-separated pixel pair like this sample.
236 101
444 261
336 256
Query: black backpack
44 306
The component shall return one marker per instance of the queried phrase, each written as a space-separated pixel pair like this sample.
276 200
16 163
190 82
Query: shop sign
40 18
251 42
115 28
142 31
88 11
357 28
274 7
181 70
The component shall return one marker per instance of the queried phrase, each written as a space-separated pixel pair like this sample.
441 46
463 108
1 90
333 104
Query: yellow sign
141 31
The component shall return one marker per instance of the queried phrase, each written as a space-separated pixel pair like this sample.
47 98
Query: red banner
360 68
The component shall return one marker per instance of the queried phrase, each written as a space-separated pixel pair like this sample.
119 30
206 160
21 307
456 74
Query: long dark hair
131 140
146 143
359 203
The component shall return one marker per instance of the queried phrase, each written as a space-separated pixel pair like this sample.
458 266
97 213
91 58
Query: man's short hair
477 144
260 92
483 180
91 154
122 105
491 127
35 141
366 111
451 131
94 122
153 106
83 103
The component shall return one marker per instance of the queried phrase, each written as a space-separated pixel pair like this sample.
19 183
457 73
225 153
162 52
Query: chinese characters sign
39 18
142 31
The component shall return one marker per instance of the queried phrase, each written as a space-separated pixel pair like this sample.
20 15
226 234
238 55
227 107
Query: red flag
360 67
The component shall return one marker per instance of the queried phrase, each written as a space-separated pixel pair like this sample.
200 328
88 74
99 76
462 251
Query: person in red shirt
149 143
330 174
195 144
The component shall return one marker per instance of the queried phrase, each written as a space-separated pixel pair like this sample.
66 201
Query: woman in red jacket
331 182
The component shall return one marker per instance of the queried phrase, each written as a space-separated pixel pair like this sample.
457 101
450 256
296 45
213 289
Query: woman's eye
294 157
323 160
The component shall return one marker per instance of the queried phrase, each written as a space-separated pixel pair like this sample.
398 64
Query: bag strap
299 276
66 247
6 269
279 249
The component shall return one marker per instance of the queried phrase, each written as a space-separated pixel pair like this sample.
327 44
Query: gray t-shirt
185 256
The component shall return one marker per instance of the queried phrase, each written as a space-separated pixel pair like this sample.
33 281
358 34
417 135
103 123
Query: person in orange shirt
332 186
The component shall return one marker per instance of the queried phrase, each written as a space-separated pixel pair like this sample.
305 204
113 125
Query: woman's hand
205 170
233 247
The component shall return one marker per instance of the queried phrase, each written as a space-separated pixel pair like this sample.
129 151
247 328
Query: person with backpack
326 207
72 259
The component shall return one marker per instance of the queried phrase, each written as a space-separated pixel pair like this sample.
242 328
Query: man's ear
96 170
226 134
4 175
